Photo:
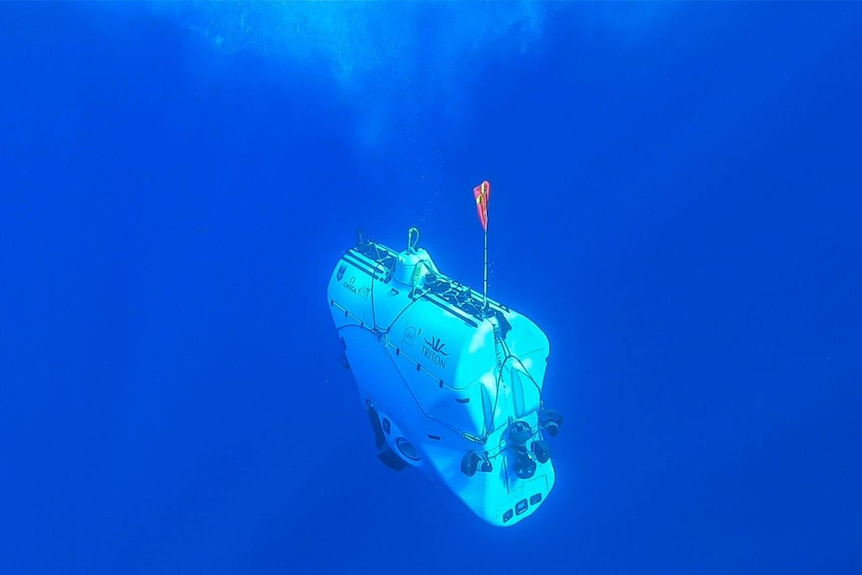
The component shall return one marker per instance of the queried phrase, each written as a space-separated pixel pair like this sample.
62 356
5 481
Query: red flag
482 193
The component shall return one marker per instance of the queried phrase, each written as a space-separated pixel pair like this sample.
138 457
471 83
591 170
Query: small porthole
407 450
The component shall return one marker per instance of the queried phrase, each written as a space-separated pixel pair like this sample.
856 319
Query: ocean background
676 200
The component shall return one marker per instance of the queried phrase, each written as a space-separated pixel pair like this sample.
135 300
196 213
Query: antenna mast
482 194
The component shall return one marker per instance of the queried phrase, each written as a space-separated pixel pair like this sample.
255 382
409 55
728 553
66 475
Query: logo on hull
410 335
350 286
434 350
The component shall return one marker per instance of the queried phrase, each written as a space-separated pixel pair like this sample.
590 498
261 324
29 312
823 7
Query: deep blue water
677 201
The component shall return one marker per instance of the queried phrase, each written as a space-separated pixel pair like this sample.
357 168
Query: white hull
451 386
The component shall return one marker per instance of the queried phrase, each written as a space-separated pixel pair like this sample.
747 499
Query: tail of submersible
450 379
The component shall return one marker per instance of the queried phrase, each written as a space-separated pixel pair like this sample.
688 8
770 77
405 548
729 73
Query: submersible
450 379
